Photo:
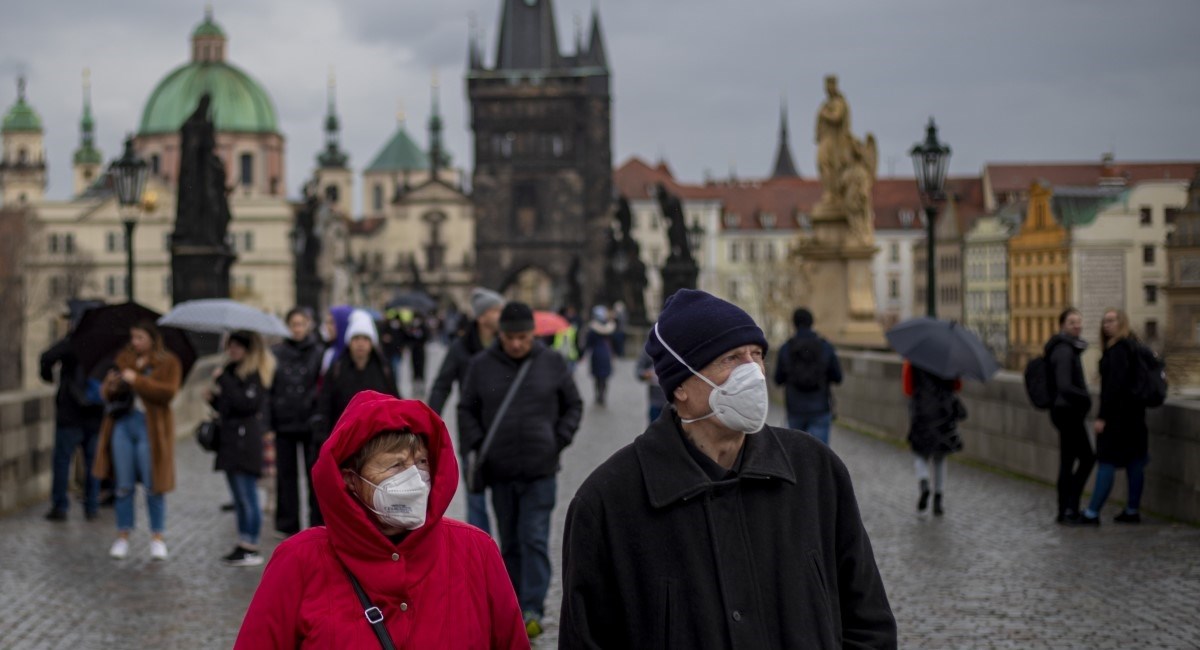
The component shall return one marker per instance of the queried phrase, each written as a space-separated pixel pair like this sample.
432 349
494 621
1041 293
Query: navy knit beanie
699 327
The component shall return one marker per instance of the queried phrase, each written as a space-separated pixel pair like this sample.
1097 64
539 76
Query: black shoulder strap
512 391
374 614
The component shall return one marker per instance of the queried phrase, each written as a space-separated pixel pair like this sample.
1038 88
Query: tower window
331 193
377 197
247 169
155 164
22 156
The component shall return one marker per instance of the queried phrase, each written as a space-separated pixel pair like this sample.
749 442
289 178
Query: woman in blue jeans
1122 439
137 436
241 399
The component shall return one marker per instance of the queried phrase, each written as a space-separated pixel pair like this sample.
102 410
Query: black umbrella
414 300
104 331
944 348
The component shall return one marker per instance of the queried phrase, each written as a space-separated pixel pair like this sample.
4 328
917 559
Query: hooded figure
442 585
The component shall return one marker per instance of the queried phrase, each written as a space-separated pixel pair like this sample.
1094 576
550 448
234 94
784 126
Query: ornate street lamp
930 159
129 180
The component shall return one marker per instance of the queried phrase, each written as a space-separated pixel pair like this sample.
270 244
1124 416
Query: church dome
21 117
239 103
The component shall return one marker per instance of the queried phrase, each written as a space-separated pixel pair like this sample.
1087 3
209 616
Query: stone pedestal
840 291
200 272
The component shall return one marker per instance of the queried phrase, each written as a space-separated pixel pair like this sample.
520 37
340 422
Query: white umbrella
220 315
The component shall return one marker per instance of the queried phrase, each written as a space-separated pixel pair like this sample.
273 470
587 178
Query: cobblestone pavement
995 572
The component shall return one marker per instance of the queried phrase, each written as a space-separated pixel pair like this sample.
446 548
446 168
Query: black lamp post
930 159
695 238
129 179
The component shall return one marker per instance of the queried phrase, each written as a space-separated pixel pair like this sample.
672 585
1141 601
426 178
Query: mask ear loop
680 359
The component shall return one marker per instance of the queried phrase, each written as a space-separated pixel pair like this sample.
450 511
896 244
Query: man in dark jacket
480 334
293 402
522 459
1071 405
807 365
76 421
712 530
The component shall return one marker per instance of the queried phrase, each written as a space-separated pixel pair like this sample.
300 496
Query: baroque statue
202 215
846 166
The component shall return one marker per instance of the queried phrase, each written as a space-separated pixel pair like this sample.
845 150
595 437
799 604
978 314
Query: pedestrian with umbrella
937 354
137 435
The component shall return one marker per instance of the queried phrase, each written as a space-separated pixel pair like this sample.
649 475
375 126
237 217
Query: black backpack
1150 377
1039 383
806 364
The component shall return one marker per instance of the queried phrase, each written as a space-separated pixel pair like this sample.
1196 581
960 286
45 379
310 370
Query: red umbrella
548 323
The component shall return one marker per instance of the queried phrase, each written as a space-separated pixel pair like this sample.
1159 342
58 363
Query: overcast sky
698 82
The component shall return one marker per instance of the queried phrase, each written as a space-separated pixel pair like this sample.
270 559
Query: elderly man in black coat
712 530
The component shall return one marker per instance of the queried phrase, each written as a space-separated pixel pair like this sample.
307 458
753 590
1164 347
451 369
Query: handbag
475 457
208 434
374 614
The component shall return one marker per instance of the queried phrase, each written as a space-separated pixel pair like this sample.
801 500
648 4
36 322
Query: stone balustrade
1004 431
27 435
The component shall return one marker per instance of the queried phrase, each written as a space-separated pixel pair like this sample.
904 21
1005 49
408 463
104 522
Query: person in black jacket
363 367
806 367
1122 439
241 399
1071 405
713 530
480 333
522 460
76 422
293 403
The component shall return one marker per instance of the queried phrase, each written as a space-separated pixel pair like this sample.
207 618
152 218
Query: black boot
937 505
923 502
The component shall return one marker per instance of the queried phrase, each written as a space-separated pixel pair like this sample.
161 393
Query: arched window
377 197
22 156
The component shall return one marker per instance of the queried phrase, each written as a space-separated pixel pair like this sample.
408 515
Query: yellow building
1039 277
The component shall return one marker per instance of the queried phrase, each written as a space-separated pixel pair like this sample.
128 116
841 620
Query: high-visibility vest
564 343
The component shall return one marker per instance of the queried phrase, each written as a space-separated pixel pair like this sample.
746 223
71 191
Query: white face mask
401 500
740 403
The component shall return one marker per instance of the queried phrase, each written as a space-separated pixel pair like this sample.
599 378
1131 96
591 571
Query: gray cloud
698 81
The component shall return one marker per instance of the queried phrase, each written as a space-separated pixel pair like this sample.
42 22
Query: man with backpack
806 366
1069 405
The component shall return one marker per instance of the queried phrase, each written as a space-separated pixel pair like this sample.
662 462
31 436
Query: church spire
595 52
435 131
784 167
528 36
87 153
332 156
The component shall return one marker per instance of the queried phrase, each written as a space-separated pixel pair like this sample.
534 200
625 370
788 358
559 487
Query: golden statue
846 165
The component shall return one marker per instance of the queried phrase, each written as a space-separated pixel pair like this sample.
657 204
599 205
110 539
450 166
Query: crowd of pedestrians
747 518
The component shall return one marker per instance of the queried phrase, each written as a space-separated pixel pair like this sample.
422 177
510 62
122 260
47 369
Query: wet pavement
995 572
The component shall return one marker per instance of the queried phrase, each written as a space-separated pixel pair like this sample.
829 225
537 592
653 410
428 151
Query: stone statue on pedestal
200 250
624 271
836 256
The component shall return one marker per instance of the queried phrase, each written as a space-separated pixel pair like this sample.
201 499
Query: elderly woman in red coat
384 480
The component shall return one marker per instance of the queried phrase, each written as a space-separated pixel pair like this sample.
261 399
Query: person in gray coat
712 529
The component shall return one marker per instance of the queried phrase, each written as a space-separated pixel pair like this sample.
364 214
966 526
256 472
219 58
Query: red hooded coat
443 586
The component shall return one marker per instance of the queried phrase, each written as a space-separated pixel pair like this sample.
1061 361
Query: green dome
239 104
21 117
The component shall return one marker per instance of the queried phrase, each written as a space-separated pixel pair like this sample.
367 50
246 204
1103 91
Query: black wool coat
657 555
1126 438
454 366
243 406
541 420
343 381
934 414
294 391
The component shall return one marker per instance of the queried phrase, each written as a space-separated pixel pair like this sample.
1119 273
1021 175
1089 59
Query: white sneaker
120 549
158 549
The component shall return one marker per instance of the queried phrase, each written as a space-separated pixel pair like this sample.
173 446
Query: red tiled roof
1017 177
787 197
